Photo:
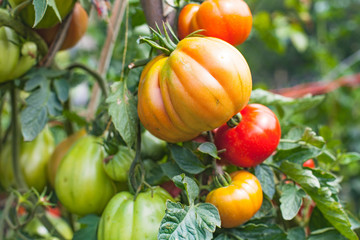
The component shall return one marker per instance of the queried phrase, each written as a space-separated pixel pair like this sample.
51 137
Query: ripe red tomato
309 163
238 202
229 20
253 140
77 29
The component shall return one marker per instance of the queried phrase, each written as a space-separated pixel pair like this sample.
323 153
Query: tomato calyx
234 121
222 180
166 44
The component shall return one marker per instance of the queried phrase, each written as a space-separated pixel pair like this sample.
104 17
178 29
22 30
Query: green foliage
89 227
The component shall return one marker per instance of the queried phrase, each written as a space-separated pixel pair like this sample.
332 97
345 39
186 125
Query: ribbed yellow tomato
200 86
238 202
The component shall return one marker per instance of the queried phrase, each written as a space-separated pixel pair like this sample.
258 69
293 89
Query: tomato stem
234 121
16 10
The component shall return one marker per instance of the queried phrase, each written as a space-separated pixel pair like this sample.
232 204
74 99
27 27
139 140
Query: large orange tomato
238 202
200 86
229 20
77 29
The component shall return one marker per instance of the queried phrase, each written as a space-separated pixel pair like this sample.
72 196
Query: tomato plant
77 29
239 200
211 84
129 218
229 20
82 167
253 140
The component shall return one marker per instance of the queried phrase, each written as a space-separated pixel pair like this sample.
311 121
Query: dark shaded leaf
266 178
186 159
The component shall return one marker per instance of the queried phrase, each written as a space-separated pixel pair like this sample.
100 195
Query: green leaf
296 233
33 121
311 138
297 155
122 109
186 159
304 177
291 200
62 88
266 178
189 223
74 117
267 210
52 4
349 157
323 196
40 7
326 234
171 169
189 185
268 98
252 231
209 148
89 231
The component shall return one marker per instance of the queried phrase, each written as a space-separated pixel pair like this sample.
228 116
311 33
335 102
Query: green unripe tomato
117 167
50 19
34 157
36 229
152 147
81 183
128 219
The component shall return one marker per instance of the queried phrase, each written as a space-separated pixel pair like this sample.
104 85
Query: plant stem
7 208
106 53
16 11
19 181
99 79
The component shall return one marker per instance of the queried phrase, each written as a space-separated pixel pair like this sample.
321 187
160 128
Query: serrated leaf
171 169
40 7
123 110
322 196
326 234
297 155
291 200
310 137
265 175
267 210
268 98
89 231
252 231
189 185
53 105
189 223
296 233
186 159
33 121
52 4
209 148
304 177
62 89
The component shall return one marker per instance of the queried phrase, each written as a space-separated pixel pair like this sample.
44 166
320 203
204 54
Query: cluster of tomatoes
199 87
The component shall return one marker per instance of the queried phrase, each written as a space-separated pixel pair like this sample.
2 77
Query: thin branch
106 53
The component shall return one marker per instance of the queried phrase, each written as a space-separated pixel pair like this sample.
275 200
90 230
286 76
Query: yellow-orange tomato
229 20
77 29
238 202
200 86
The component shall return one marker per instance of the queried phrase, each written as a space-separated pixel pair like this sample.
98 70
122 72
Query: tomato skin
238 202
124 218
77 29
16 57
33 159
200 86
59 153
152 147
81 183
309 163
117 168
50 19
253 140
229 20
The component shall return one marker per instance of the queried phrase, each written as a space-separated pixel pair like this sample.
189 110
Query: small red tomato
309 163
253 140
